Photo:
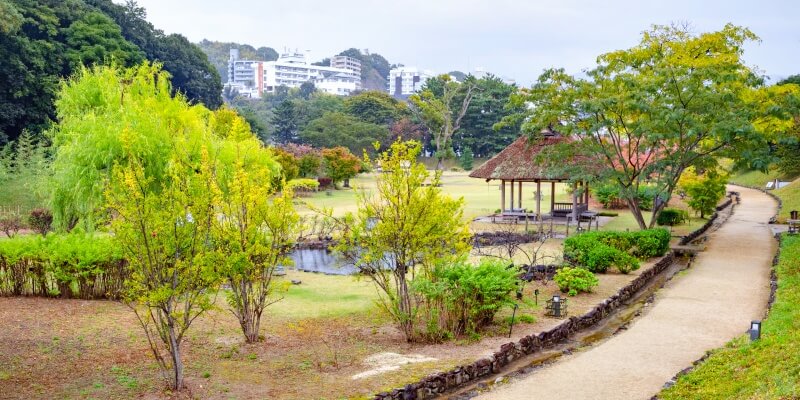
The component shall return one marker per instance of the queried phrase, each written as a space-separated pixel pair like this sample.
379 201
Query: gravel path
714 301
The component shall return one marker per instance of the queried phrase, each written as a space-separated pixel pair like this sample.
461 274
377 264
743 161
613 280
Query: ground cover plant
767 368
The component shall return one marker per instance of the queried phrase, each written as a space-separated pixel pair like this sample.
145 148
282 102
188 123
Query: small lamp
755 330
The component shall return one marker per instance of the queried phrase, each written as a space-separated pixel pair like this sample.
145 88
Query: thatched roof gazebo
516 165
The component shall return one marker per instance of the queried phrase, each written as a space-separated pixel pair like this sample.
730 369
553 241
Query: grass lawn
765 369
790 195
480 198
756 179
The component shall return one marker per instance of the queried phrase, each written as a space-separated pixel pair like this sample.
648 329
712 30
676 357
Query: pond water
322 261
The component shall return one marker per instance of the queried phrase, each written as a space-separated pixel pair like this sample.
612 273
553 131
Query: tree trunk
633 204
175 350
440 164
347 183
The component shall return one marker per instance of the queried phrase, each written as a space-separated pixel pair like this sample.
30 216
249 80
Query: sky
510 38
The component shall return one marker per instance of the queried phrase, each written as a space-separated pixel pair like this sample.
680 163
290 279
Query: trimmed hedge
74 265
672 217
599 251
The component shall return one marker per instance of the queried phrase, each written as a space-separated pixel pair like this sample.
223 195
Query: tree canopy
644 115
45 41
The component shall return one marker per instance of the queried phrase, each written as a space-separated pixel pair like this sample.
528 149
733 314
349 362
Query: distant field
480 197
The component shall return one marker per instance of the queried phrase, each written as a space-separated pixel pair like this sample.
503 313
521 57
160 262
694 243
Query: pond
321 261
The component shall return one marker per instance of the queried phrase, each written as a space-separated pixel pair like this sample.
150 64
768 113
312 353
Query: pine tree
285 123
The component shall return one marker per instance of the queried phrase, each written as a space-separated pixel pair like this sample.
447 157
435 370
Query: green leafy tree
403 228
340 164
162 225
646 114
307 89
96 38
253 238
704 191
339 129
488 107
441 114
375 107
190 71
98 109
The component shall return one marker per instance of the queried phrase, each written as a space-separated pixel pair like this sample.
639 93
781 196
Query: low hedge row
74 265
598 251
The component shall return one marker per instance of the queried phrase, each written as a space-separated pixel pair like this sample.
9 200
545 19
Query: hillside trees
191 72
646 114
338 129
45 41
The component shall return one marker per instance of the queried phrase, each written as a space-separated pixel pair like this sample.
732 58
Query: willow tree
402 228
645 114
95 108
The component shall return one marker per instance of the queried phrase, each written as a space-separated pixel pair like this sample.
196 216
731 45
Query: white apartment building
292 69
404 81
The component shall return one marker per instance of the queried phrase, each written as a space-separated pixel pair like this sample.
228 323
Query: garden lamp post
755 330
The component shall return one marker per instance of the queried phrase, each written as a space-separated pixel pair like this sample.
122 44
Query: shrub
325 183
461 298
302 185
651 242
672 217
600 258
599 251
69 265
574 280
10 225
40 220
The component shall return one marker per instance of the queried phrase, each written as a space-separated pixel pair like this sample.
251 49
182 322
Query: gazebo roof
516 162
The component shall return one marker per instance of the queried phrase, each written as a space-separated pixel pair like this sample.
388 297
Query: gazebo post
586 194
575 201
552 197
512 196
519 195
539 204
502 195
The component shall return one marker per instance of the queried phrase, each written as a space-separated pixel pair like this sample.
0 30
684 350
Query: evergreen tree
284 123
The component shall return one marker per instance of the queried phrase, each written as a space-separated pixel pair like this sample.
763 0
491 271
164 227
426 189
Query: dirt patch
385 362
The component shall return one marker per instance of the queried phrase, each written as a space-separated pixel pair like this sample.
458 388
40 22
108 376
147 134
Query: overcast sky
511 38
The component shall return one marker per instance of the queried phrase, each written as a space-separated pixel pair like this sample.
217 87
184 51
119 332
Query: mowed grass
766 369
756 179
480 197
320 295
790 196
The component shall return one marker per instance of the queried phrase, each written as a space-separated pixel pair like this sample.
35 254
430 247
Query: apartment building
405 81
292 69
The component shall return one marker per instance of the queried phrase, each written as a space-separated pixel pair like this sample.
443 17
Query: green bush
599 251
651 243
69 265
601 257
460 298
573 280
672 217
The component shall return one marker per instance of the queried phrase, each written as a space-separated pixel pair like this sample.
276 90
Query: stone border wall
442 382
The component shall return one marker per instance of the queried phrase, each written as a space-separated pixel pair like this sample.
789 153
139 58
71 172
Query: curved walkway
726 287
